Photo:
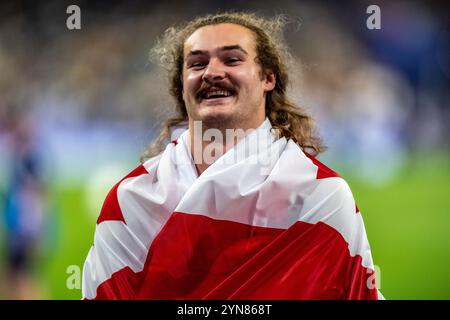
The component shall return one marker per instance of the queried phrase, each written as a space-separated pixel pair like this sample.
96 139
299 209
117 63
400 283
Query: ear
269 81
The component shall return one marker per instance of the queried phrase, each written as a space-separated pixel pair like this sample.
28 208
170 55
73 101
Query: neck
209 144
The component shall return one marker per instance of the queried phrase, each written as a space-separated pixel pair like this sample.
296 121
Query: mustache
205 87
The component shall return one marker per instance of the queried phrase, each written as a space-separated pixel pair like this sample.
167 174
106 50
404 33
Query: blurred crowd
373 92
377 95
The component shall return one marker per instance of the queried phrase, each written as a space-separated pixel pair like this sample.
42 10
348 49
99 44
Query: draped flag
270 222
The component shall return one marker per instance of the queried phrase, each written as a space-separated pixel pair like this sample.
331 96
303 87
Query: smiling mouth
213 95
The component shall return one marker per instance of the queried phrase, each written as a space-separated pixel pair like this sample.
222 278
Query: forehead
211 37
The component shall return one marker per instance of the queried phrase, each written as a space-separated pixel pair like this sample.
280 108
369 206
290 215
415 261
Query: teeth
218 93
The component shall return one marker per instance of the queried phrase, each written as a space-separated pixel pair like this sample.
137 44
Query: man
254 216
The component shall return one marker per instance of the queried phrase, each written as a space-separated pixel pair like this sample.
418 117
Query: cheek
249 78
191 83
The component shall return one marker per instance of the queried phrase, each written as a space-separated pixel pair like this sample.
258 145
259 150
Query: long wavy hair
290 120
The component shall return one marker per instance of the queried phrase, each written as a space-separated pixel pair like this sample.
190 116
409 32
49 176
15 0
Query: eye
232 61
197 65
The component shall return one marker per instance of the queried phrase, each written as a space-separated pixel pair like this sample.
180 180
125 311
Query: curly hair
290 120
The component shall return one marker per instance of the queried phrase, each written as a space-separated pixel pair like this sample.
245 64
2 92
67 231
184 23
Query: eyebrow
224 48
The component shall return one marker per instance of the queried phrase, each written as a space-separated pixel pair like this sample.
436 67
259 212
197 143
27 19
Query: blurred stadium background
78 107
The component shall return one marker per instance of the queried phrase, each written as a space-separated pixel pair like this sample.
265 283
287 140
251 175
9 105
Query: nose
213 72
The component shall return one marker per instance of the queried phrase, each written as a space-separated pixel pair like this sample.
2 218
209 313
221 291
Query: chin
218 119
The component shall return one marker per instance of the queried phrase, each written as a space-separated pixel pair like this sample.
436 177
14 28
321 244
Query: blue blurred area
94 101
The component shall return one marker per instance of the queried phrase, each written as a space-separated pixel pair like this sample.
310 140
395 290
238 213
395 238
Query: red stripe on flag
111 209
119 287
323 171
196 257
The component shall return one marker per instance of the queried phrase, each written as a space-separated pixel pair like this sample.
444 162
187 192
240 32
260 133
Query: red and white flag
260 223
